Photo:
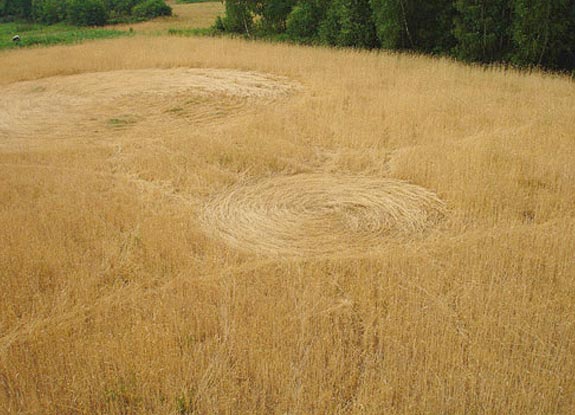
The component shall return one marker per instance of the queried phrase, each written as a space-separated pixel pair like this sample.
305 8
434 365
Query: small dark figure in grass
16 39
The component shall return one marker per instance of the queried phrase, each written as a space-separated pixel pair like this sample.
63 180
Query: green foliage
544 33
330 27
81 12
349 23
482 30
23 8
34 34
151 8
409 24
219 24
48 11
274 14
304 20
87 12
239 16
120 8
12 9
390 22
433 26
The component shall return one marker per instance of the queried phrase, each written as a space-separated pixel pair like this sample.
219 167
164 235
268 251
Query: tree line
82 12
524 33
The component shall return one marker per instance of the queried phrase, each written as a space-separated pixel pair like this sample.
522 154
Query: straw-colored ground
214 226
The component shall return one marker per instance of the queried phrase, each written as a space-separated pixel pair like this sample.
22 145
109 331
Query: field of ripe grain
217 226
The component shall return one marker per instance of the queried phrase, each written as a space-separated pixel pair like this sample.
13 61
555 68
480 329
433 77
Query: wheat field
219 226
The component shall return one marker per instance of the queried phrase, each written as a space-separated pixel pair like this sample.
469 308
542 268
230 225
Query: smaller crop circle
315 214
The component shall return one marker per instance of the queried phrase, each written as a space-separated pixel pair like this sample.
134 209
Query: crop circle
315 214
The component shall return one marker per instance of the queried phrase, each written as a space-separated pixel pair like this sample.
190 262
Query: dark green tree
81 12
151 8
48 11
239 17
118 9
349 23
483 30
416 25
274 14
392 22
544 33
4 9
21 9
304 20
87 12
433 26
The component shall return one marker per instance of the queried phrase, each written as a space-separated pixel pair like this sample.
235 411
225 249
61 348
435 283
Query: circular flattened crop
313 214
64 105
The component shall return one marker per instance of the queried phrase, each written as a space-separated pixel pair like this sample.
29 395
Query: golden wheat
219 226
